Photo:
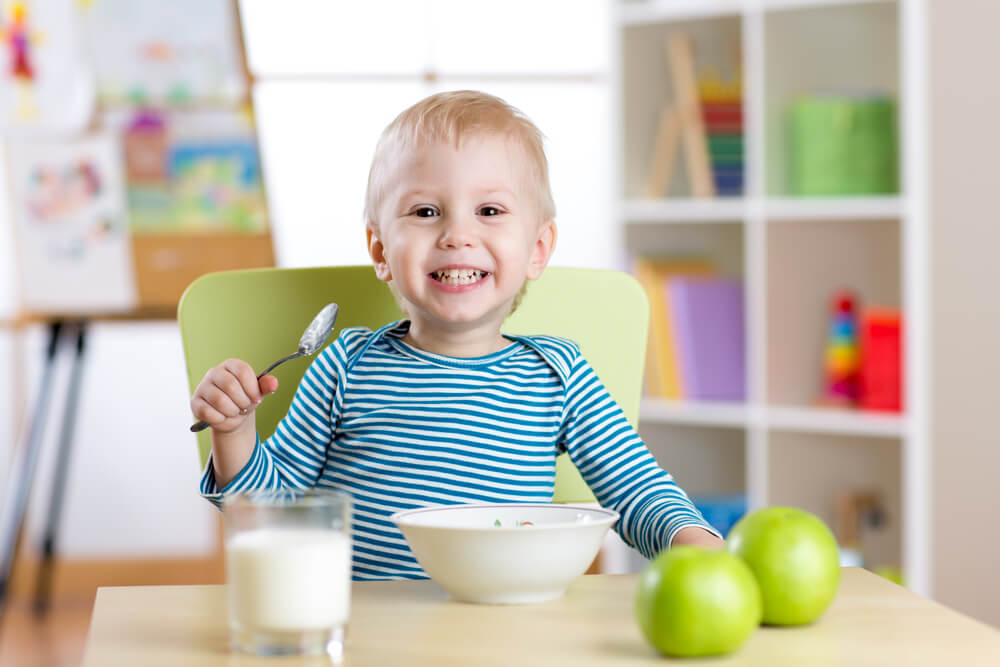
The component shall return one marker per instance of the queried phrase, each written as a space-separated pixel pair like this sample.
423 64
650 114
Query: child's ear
545 244
377 252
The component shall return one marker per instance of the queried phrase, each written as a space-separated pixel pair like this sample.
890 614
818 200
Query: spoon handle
202 425
293 355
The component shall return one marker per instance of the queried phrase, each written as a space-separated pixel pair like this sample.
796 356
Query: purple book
707 315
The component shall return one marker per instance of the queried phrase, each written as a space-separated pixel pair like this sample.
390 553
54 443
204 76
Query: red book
881 376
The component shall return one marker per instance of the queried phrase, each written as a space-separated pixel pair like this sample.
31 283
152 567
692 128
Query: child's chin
463 318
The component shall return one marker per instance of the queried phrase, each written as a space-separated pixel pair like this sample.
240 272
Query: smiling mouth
459 276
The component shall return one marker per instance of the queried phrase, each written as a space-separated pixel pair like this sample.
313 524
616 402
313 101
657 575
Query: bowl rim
607 516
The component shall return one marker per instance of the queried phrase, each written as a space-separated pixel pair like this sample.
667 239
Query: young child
442 408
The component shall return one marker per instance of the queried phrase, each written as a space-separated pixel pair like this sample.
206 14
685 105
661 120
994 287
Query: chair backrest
258 315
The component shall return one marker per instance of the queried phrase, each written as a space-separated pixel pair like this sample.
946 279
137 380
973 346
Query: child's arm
227 398
295 454
655 512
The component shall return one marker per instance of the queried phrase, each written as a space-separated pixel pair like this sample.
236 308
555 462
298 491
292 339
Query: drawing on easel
45 82
71 225
193 172
151 52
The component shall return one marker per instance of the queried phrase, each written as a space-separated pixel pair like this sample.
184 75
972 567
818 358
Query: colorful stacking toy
722 111
842 359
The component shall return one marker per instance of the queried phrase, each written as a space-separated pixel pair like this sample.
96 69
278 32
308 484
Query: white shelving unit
792 253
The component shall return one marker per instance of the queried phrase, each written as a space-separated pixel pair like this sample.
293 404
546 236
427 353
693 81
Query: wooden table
871 622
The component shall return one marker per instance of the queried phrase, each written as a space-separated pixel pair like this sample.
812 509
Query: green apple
693 601
794 558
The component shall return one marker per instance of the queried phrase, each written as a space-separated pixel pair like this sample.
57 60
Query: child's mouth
459 276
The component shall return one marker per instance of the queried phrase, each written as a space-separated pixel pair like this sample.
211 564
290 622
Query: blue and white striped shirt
399 428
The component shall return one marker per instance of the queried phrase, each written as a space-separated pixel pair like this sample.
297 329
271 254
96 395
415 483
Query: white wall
132 484
318 131
965 309
132 488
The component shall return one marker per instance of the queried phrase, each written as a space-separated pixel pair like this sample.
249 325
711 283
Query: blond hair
451 117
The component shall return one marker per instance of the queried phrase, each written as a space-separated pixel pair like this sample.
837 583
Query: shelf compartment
811 470
648 88
850 49
704 461
721 243
807 262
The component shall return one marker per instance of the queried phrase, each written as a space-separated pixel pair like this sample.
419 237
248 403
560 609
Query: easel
165 265
26 462
681 120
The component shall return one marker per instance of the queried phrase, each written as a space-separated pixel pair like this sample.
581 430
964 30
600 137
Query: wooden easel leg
43 584
23 470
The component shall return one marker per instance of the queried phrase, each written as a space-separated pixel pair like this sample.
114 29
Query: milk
289 579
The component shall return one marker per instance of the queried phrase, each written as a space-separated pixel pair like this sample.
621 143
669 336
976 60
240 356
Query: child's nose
457 232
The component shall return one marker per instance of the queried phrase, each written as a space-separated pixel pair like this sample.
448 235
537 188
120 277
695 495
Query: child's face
459 231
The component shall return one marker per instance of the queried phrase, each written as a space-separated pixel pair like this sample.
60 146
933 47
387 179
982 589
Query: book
662 377
708 319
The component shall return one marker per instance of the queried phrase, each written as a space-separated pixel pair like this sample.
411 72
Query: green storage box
843 146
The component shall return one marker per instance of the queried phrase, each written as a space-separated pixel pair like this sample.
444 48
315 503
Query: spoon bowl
312 339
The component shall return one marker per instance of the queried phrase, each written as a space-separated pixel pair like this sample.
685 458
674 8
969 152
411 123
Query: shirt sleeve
620 469
292 458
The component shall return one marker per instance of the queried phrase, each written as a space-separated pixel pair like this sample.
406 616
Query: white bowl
463 548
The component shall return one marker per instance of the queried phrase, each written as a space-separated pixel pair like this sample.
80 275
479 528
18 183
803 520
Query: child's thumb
268 385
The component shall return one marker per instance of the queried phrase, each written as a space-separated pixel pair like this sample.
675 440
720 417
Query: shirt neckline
394 336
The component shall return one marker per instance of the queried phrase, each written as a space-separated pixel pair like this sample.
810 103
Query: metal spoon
312 339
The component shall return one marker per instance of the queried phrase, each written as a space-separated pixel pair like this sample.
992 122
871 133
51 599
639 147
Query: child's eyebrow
498 190
416 193
427 193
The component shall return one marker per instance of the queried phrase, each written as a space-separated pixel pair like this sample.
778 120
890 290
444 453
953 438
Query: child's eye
489 211
425 212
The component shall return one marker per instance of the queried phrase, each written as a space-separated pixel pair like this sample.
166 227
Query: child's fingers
203 410
223 400
268 385
247 379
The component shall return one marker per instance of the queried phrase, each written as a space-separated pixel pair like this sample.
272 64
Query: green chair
258 315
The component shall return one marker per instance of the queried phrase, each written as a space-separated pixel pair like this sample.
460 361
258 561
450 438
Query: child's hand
698 537
228 394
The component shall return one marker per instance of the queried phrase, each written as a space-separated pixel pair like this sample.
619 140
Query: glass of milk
288 571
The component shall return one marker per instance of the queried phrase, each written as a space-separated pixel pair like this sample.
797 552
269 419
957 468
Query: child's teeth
459 276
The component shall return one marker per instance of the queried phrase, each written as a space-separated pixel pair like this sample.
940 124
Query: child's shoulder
353 341
552 344
562 354
351 334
